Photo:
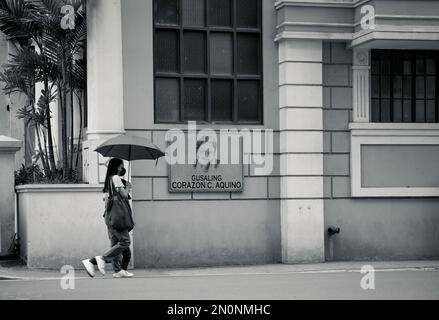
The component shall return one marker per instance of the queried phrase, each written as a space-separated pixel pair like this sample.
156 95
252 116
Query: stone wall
337 113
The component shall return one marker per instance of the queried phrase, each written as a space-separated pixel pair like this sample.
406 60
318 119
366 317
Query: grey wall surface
383 229
206 233
197 229
372 229
400 166
337 104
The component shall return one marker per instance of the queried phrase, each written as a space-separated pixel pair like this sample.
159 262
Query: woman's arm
122 192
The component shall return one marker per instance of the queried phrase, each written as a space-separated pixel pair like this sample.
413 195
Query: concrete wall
380 229
383 229
61 225
196 229
6 202
205 233
10 125
8 148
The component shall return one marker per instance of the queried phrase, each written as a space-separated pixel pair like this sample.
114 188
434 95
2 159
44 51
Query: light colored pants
120 249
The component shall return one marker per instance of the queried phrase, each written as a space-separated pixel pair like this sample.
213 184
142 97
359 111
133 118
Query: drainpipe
332 231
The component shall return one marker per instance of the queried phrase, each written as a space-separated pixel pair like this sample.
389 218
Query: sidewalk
14 271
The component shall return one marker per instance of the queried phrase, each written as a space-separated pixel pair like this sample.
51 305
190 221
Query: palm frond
79 74
15 22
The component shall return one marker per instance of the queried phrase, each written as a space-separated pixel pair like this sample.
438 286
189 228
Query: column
301 147
105 82
8 148
5 116
361 85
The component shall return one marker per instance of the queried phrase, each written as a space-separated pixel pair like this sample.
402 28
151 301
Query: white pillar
301 147
105 81
361 85
8 148
5 116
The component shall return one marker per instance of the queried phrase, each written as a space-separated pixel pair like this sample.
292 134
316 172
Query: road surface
389 284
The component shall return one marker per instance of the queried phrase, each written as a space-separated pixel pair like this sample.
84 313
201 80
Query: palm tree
56 62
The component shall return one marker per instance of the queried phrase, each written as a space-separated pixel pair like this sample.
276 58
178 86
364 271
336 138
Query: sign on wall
205 161
210 178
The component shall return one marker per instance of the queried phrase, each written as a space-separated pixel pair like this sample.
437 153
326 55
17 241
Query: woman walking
119 254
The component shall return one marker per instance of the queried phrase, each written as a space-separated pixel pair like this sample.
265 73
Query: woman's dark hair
113 165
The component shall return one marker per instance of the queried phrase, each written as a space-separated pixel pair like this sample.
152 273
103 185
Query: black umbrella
130 148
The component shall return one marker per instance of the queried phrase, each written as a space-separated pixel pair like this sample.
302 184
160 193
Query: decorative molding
315 24
361 57
285 35
391 135
329 29
381 128
49 188
408 17
361 85
9 145
382 32
320 3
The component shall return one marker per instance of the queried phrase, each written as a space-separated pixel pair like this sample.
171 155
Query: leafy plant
33 175
29 175
47 53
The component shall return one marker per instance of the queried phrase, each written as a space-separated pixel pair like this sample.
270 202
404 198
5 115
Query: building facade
348 87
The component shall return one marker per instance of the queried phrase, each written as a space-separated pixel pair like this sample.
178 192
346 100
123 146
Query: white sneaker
101 265
128 274
89 267
123 274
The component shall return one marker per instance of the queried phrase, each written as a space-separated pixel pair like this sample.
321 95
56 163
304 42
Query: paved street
328 281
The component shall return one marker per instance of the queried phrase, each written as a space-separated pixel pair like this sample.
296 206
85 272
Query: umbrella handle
129 171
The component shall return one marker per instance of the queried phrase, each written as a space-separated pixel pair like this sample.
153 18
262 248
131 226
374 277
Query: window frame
413 76
207 30
365 132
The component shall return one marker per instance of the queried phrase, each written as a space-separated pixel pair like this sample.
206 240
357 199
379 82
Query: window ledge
391 135
394 129
393 126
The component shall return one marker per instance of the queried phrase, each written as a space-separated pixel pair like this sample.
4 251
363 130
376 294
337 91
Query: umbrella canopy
130 148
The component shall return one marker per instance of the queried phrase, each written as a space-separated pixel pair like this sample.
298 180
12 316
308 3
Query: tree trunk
63 91
51 153
63 153
40 147
31 100
72 129
80 132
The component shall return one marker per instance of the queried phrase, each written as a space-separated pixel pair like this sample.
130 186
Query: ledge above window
375 128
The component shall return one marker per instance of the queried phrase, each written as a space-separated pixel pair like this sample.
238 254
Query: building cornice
320 3
313 35
357 23
341 20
